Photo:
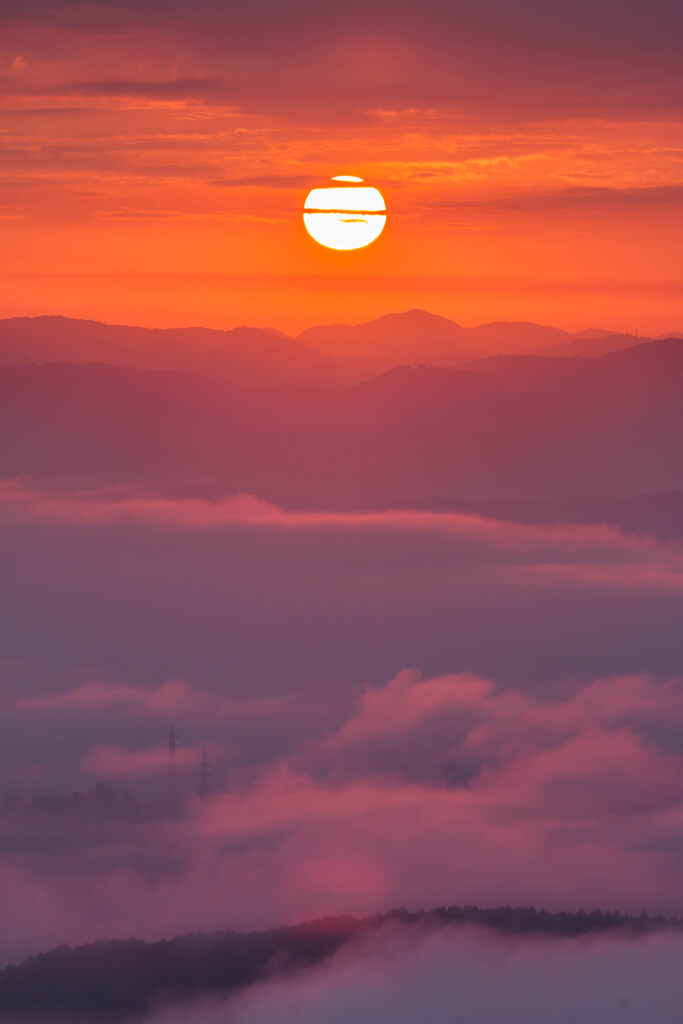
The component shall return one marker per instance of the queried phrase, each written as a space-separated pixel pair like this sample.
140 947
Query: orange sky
140 186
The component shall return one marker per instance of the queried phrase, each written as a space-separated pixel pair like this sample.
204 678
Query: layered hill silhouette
508 428
419 337
128 979
374 347
253 356
245 355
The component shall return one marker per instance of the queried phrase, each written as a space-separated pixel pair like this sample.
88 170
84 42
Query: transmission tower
204 771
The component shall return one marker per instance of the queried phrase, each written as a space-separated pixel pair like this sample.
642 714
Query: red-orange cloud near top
155 160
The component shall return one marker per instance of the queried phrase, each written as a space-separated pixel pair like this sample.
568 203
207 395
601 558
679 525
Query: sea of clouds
401 708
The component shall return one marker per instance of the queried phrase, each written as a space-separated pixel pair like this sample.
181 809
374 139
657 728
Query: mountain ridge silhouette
338 353
508 428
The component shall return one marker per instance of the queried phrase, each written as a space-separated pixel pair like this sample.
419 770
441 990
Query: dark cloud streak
527 59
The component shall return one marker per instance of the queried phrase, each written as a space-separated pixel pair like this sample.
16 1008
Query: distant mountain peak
421 315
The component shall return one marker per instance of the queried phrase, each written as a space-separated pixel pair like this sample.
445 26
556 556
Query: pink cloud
114 762
99 694
573 542
565 803
397 707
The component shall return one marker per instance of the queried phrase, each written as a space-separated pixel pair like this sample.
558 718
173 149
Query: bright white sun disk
348 216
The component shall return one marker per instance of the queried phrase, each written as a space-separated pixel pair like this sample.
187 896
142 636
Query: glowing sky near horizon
156 158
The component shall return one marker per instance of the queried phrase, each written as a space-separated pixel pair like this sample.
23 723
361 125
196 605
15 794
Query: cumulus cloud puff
444 790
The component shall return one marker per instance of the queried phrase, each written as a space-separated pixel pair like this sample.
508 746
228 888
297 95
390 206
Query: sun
348 215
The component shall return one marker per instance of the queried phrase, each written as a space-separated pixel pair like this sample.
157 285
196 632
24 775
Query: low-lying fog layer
469 976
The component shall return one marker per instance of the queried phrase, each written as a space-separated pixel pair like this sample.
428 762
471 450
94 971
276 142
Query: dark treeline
116 980
101 803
